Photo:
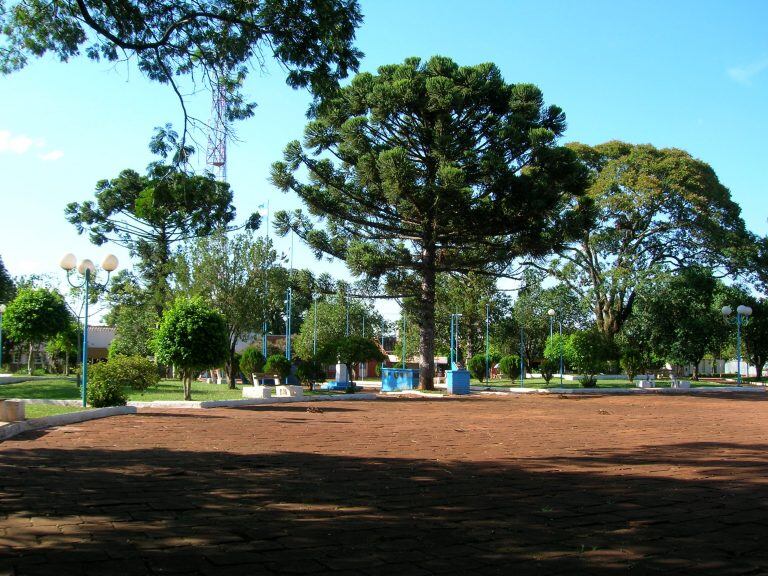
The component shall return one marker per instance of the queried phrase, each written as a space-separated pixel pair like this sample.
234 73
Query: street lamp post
487 344
522 356
88 270
2 311
741 311
551 314
454 344
314 337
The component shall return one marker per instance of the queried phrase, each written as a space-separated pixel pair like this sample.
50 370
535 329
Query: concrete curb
250 401
10 430
51 402
412 393
619 391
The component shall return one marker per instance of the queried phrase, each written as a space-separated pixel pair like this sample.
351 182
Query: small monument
342 381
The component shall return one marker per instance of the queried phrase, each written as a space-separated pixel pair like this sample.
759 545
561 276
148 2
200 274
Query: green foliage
132 315
441 167
103 388
135 372
66 345
589 353
350 350
331 322
35 315
477 365
548 368
251 362
531 309
150 214
234 275
278 364
510 366
632 362
680 317
217 41
192 336
310 372
557 345
7 287
655 209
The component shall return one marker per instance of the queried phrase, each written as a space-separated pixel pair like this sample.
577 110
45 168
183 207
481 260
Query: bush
278 364
510 366
588 381
548 369
251 362
476 366
136 372
310 372
631 362
590 352
103 389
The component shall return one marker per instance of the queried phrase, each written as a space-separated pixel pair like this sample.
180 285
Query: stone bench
680 384
289 391
257 391
645 383
11 411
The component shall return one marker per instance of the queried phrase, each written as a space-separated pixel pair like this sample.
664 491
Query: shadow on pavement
101 511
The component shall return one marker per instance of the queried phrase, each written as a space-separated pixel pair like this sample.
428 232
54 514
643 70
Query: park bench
646 381
11 411
676 383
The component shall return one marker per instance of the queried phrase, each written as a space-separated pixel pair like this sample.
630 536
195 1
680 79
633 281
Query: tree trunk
695 376
427 320
232 368
759 363
66 363
29 360
187 380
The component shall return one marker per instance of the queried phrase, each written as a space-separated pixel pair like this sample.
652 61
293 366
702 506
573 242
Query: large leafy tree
681 318
35 316
350 350
232 274
429 167
132 314
656 209
151 214
213 42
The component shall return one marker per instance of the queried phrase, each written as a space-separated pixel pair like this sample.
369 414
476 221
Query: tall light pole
403 339
2 311
487 343
314 337
454 344
289 305
522 357
560 326
741 311
551 314
88 271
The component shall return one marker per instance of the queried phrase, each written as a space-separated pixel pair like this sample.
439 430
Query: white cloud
51 156
21 144
744 74
18 143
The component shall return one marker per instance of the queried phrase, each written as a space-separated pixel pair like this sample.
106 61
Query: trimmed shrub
310 372
103 390
548 369
278 364
136 372
510 366
251 362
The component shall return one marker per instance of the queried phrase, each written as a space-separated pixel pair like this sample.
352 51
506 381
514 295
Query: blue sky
692 75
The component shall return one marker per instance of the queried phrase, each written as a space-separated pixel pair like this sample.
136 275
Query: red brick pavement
526 485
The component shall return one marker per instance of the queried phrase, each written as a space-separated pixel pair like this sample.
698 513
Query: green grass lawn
43 388
42 410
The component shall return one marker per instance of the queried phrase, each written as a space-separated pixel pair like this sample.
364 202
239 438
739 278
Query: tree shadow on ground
103 511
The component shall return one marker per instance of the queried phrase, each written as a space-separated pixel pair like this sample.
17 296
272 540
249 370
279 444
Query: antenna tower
216 158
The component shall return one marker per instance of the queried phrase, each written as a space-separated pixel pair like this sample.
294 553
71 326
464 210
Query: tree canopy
655 209
7 287
192 336
207 41
35 316
429 167
152 213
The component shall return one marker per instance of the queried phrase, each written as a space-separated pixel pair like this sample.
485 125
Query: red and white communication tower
216 158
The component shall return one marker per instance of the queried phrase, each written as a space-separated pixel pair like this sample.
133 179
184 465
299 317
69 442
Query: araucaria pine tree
428 167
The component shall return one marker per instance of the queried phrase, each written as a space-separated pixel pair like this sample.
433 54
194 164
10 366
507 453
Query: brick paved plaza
516 485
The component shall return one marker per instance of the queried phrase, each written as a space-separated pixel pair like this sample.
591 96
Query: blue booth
394 379
457 381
